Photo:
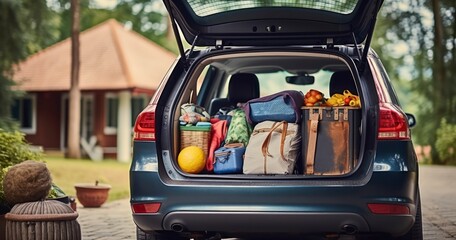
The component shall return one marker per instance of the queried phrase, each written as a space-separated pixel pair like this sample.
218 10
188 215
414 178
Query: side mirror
411 119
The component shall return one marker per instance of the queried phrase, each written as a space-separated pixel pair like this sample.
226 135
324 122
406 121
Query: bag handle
225 153
265 146
234 145
222 157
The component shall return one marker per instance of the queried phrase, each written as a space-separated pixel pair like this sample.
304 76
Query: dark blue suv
268 47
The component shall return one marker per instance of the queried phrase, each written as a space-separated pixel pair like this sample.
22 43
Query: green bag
239 130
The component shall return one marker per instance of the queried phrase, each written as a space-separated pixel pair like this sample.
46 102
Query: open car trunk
327 133
273 23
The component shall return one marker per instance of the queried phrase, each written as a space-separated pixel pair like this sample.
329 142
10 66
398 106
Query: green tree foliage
6 99
147 17
22 24
13 150
446 142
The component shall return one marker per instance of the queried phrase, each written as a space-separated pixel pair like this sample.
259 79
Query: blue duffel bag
281 106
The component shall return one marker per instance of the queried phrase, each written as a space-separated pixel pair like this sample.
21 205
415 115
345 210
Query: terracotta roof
112 57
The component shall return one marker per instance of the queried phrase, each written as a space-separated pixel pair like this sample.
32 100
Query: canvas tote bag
273 148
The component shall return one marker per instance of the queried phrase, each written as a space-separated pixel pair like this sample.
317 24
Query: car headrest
341 81
243 87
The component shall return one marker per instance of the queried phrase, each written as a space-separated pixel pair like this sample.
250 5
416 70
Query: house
119 72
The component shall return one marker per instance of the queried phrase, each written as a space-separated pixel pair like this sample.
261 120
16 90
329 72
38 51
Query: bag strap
312 145
282 140
265 146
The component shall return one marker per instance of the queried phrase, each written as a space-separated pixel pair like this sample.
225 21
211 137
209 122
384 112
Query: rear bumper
266 222
275 209
273 222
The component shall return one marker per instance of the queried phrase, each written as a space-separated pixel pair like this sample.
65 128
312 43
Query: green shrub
13 150
446 142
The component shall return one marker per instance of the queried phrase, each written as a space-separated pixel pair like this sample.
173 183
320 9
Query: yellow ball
191 159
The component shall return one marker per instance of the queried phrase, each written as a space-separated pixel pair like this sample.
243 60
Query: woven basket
42 220
195 136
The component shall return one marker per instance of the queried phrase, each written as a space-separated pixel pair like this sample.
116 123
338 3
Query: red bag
218 133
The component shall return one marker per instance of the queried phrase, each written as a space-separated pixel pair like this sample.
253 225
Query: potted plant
92 195
59 195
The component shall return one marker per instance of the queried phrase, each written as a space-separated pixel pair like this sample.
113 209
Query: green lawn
67 172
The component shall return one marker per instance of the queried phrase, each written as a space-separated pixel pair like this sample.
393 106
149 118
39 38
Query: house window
24 112
111 110
138 103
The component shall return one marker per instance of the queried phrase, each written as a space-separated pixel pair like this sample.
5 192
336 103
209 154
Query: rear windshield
270 83
208 7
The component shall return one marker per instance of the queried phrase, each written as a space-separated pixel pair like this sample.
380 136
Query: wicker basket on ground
42 220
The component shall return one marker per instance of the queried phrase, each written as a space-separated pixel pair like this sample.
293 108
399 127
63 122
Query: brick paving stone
438 201
111 221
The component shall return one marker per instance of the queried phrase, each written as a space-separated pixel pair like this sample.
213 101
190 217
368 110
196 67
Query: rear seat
242 88
340 81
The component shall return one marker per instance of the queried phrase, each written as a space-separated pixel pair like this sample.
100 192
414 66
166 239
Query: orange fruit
312 99
192 159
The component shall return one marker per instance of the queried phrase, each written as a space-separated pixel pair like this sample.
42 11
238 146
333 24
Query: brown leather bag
331 140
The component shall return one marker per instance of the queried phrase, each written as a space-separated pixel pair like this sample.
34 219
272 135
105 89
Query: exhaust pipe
177 227
349 229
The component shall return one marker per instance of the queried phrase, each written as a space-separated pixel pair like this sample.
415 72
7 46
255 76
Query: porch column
124 127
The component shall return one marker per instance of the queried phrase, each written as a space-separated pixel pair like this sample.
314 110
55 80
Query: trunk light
392 124
380 208
145 207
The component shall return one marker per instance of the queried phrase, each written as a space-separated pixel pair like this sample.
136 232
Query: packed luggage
280 134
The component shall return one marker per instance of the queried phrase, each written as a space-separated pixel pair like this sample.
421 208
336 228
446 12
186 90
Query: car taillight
145 124
382 208
145 207
392 124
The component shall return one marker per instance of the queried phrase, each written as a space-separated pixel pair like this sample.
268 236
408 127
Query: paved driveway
438 193
111 221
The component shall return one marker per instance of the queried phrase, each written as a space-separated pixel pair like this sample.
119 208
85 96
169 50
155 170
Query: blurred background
416 40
